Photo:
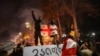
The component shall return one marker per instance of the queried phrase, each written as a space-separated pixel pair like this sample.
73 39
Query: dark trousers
38 34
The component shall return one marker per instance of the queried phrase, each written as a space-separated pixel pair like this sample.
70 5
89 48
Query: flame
26 36
47 40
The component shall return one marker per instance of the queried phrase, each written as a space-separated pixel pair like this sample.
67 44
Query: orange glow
26 36
47 40
29 39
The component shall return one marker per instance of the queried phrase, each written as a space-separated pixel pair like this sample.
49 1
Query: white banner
46 50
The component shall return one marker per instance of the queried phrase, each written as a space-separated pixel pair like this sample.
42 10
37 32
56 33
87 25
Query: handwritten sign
49 50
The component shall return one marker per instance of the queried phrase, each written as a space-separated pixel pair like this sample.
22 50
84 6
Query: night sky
92 17
13 13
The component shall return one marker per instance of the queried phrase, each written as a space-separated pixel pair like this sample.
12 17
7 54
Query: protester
3 53
14 52
85 51
37 29
69 47
19 50
95 53
63 37
53 31
79 43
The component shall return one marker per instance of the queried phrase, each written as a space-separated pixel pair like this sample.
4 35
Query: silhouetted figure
3 53
37 29
14 52
79 43
85 51
19 50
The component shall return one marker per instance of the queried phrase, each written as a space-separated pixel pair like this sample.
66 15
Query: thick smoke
16 14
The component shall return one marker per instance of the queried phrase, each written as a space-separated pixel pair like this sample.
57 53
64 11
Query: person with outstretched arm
37 29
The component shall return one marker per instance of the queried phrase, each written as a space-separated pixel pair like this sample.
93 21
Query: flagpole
59 27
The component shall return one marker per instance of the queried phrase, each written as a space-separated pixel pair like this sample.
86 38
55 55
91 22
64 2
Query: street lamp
27 25
93 34
20 33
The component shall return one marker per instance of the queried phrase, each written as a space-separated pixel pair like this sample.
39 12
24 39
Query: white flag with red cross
53 30
69 47
45 30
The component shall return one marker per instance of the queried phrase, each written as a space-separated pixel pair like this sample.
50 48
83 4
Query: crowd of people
77 47
81 48
86 47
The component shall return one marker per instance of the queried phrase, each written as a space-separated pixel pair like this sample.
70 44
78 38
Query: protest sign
45 50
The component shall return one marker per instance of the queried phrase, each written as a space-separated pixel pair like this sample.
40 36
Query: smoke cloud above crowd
14 14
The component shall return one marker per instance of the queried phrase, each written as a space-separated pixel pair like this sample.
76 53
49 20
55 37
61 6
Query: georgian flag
53 30
45 31
69 47
71 44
